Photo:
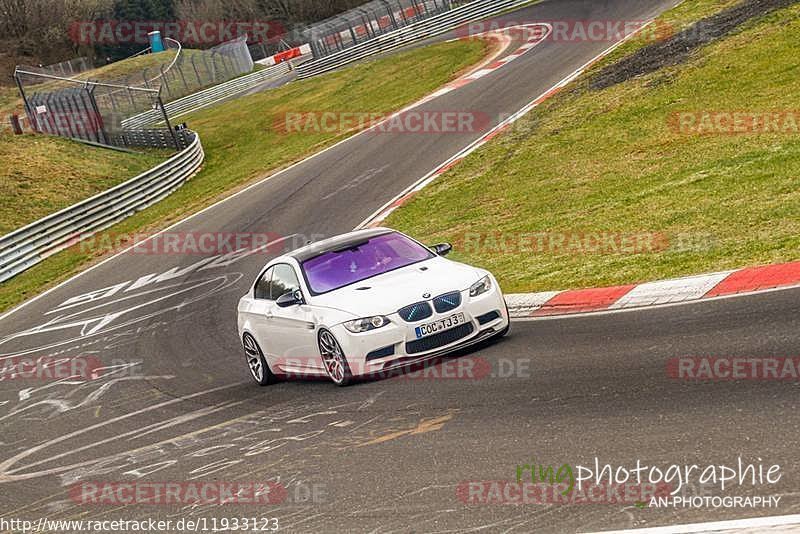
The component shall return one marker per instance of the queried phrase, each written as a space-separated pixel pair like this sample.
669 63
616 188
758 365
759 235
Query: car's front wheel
259 369
334 359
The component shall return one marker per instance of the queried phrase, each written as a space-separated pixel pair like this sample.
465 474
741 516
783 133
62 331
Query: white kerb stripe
668 291
529 302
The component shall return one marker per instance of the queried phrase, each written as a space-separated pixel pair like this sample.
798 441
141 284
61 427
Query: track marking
381 213
429 425
258 183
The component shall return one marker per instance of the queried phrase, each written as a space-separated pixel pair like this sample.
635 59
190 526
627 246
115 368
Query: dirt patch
677 48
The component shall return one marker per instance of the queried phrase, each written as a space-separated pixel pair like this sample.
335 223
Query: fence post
212 71
183 76
196 73
130 93
164 79
101 132
81 110
15 125
166 121
28 110
78 131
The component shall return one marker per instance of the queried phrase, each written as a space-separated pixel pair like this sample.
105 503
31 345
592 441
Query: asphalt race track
176 402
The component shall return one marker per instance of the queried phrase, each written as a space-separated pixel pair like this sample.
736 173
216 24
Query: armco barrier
430 27
29 245
208 96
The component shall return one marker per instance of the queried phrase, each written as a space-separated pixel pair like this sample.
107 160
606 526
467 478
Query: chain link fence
94 105
369 21
70 67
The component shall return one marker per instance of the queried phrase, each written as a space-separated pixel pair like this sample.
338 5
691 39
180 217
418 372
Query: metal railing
209 96
29 245
423 29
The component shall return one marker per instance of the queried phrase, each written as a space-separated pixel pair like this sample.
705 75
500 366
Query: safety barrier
29 245
423 29
208 96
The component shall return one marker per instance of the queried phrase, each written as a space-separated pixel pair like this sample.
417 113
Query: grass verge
243 146
42 174
612 165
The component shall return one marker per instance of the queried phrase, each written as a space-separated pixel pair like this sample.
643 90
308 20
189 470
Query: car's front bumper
383 349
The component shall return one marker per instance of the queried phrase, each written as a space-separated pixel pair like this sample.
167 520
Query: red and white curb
536 33
679 290
383 212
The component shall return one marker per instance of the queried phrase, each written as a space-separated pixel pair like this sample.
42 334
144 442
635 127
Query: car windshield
377 255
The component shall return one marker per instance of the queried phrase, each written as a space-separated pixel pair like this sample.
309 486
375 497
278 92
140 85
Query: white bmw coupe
364 303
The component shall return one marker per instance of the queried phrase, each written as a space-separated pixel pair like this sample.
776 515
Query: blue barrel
156 44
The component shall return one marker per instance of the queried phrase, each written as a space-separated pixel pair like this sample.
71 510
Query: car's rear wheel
259 369
334 359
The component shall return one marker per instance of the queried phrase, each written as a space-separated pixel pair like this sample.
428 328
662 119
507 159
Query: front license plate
435 327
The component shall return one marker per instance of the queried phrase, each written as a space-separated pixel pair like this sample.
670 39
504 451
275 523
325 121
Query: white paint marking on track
380 214
420 102
782 523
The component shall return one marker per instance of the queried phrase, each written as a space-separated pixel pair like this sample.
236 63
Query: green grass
9 97
41 175
608 161
242 146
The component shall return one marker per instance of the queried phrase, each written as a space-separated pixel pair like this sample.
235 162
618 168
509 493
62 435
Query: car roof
335 243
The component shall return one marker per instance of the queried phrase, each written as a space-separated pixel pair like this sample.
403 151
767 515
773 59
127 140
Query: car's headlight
367 323
480 287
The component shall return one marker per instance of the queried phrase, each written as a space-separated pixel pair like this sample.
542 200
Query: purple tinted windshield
380 254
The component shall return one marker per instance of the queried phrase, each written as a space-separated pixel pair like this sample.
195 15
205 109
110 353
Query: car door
261 308
294 326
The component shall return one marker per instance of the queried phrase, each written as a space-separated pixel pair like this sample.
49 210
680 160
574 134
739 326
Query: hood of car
386 293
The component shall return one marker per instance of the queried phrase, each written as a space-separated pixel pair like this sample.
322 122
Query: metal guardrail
29 245
429 27
208 96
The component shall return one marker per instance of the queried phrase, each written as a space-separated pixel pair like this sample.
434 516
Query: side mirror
290 299
442 249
